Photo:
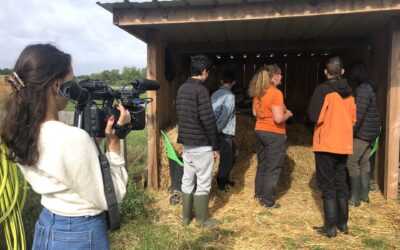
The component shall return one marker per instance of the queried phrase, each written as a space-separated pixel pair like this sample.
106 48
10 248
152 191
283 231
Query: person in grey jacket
223 103
366 130
197 131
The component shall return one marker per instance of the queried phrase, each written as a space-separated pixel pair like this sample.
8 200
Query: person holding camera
197 131
59 161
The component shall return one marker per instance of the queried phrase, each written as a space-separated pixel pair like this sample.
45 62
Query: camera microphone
146 84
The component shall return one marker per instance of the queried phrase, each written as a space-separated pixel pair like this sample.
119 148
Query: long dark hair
37 68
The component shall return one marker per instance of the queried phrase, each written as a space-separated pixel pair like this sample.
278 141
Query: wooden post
393 113
155 71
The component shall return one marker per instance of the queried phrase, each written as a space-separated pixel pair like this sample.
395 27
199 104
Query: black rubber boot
187 201
222 184
201 211
355 190
329 228
342 214
365 180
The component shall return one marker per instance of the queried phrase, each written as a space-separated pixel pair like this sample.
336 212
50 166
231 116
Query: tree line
112 77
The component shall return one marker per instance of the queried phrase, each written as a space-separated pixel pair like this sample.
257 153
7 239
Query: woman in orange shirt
270 132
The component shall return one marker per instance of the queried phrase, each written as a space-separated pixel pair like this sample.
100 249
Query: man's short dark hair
198 63
334 66
228 76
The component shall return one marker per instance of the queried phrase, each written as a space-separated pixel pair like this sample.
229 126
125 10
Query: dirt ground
248 225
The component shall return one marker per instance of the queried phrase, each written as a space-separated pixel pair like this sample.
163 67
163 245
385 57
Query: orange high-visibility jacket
333 110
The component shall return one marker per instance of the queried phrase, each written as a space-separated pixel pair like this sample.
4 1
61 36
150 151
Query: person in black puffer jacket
366 130
197 131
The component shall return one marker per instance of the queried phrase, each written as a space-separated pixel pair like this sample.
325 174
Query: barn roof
195 23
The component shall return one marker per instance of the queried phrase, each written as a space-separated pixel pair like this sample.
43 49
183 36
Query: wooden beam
155 61
263 45
393 113
248 11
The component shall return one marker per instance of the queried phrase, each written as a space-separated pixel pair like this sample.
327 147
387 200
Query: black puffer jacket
368 120
196 120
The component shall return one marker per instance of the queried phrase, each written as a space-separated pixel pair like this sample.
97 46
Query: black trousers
228 155
271 151
331 175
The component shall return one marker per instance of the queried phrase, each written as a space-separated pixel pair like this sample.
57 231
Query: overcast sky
78 27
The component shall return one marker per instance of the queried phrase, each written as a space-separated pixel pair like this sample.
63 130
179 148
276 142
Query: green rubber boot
187 201
355 190
365 180
201 211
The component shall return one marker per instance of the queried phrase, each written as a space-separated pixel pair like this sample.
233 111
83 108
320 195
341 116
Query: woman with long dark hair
270 132
59 161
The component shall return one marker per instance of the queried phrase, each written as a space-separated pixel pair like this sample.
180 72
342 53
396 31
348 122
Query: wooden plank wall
385 63
301 74
155 71
379 72
393 112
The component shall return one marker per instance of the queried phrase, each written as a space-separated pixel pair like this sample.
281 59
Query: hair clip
16 82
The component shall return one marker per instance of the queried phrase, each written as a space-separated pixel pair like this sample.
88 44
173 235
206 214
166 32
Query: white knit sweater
68 174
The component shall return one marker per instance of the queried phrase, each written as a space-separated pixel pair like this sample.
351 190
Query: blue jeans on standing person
70 233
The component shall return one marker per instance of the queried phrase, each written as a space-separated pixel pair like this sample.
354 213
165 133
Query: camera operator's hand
112 139
125 116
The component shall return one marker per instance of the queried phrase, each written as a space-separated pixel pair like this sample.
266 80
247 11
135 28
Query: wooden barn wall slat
155 71
379 72
393 113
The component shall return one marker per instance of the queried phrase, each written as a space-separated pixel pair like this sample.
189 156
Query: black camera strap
113 218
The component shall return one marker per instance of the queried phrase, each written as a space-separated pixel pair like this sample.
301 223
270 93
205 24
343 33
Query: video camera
95 104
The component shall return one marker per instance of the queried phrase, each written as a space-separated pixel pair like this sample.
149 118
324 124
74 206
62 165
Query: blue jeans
66 233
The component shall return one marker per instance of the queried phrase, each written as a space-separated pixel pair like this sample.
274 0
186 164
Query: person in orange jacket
333 110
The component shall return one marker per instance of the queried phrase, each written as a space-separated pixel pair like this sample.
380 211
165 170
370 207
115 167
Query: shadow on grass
216 235
148 233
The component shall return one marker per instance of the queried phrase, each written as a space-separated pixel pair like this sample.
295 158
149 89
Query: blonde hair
261 80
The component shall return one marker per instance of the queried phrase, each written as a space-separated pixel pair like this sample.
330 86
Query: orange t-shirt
262 106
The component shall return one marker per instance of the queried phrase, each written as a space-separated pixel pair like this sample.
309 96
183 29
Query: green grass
372 243
318 248
133 205
289 243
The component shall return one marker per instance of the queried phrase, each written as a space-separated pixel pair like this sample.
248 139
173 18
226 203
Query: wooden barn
298 35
